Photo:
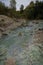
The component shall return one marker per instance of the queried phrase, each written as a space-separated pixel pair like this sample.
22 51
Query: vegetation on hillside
32 11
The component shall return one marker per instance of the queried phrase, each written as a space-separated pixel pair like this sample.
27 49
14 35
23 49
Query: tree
2 8
34 10
21 8
29 11
39 9
13 4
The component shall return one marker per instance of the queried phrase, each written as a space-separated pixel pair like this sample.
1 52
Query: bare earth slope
7 24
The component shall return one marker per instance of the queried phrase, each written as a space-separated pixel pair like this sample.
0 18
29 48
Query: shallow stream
18 45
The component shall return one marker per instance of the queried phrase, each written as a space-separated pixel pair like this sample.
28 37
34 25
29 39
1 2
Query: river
18 45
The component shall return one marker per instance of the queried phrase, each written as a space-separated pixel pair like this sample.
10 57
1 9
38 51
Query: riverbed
19 45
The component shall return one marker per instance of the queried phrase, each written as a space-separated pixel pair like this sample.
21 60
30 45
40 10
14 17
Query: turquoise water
20 47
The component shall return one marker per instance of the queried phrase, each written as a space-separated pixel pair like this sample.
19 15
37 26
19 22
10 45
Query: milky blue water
18 45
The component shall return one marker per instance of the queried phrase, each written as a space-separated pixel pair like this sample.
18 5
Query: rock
4 34
20 34
1 29
24 24
36 22
40 29
0 34
38 37
10 61
2 50
9 24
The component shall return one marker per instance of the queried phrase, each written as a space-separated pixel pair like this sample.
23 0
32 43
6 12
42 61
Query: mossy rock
20 34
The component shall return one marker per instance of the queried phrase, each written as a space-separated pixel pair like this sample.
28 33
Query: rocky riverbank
33 52
8 24
24 46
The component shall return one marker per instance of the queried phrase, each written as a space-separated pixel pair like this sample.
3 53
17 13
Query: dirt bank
7 24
